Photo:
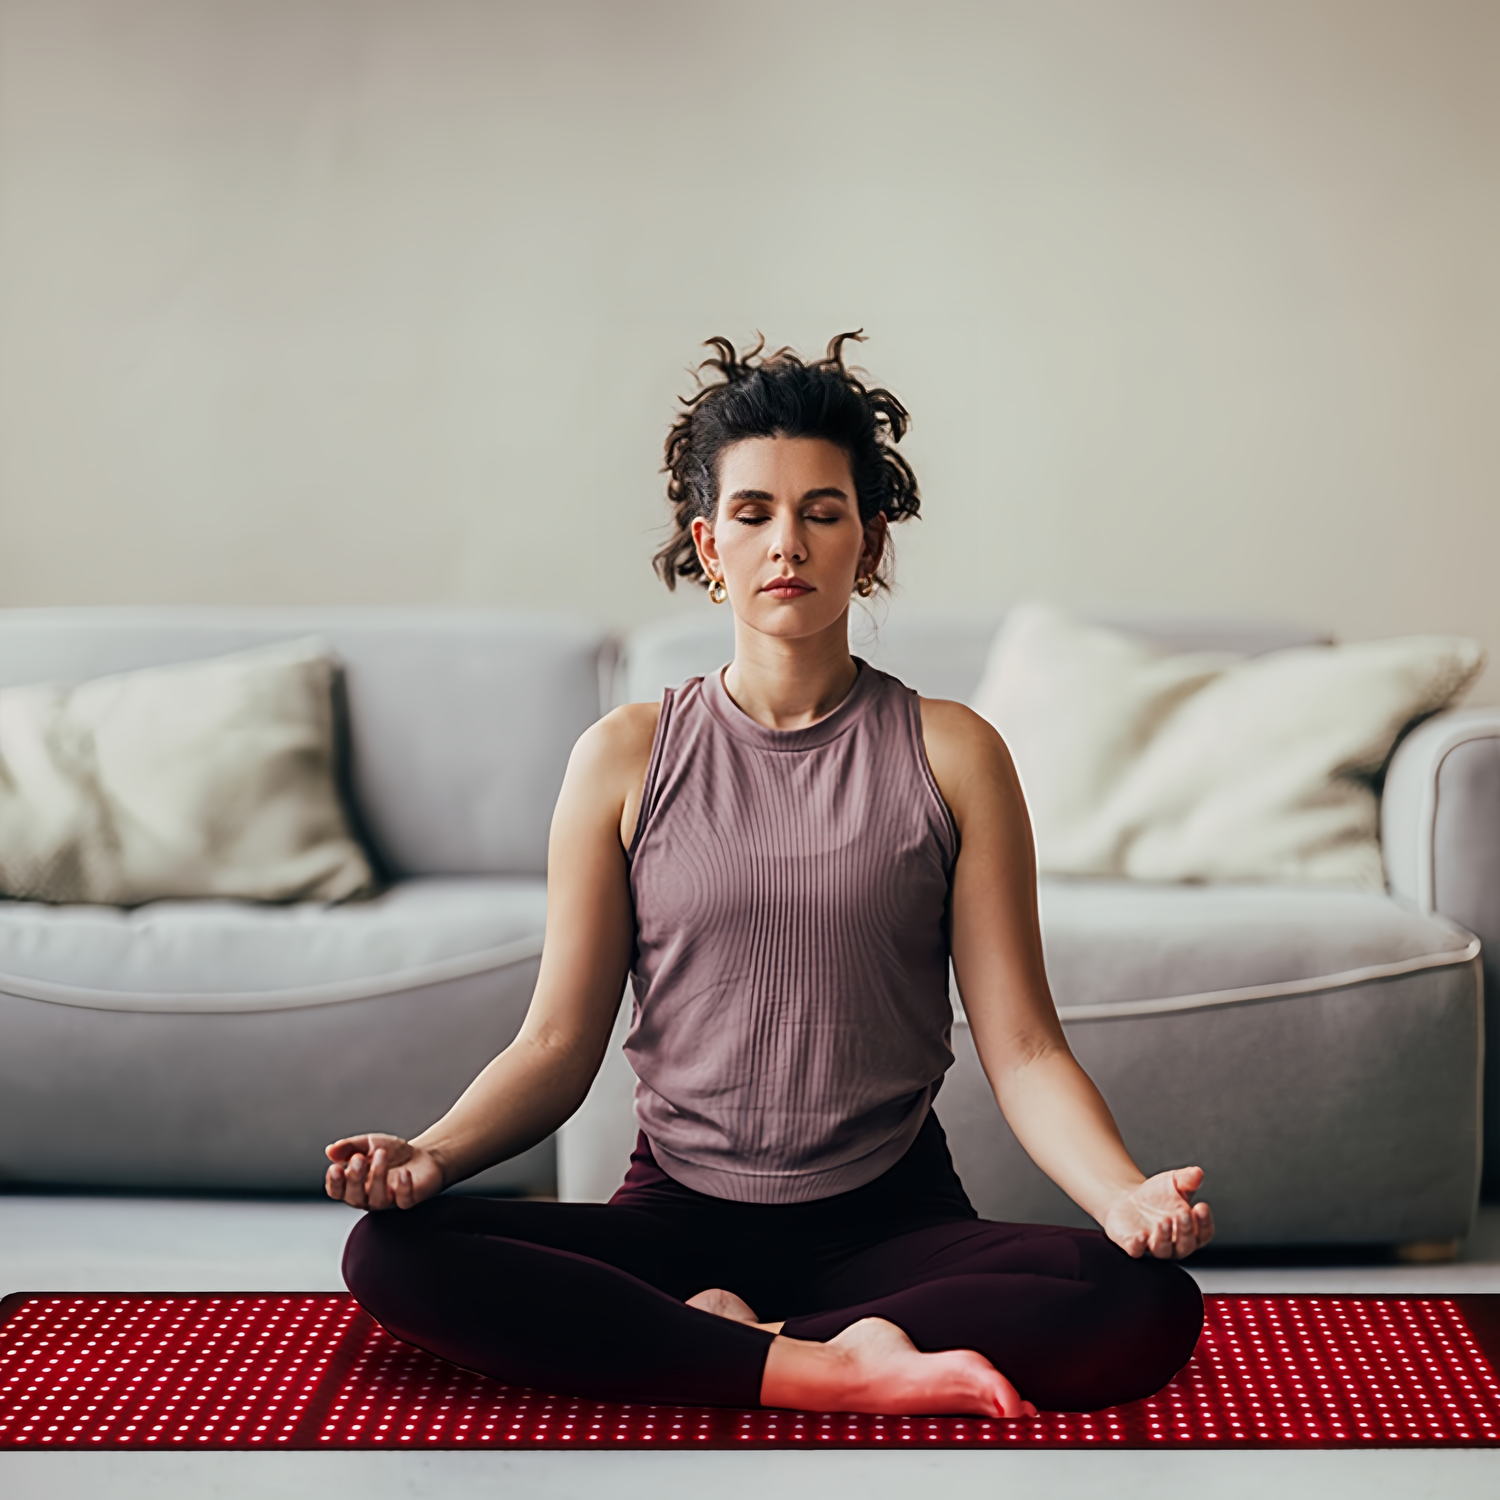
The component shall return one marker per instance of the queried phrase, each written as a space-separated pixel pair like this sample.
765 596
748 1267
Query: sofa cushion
1208 767
460 721
216 1045
1077 705
1314 1050
214 956
207 778
1123 947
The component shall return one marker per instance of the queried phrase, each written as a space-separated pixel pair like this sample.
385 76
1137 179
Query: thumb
1187 1179
344 1149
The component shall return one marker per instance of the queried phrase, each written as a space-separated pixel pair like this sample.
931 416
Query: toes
1009 1398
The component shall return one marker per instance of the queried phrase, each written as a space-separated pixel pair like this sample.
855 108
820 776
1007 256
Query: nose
787 541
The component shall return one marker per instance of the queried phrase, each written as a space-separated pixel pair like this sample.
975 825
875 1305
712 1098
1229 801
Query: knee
1134 1328
362 1256
376 1259
1175 1312
1155 1312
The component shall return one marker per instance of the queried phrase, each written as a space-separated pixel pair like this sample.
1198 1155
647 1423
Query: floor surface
117 1243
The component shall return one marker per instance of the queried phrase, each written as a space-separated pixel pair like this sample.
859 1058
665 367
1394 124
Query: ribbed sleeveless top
791 1019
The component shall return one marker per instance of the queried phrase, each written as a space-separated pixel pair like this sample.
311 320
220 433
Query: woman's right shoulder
625 730
607 770
619 744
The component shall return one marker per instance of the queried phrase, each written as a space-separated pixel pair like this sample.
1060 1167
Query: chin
789 620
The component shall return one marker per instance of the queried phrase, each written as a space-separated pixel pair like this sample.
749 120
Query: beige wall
1195 303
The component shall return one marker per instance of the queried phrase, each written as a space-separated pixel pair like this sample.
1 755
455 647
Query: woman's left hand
1157 1217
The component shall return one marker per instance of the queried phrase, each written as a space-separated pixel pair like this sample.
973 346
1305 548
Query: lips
787 588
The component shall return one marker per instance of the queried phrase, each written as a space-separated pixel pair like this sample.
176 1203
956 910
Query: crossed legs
590 1299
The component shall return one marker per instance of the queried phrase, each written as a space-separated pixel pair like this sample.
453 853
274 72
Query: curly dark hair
781 395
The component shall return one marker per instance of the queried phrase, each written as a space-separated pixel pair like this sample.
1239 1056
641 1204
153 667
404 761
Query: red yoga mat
313 1371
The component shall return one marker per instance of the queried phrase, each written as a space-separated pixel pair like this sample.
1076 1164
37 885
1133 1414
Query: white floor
160 1244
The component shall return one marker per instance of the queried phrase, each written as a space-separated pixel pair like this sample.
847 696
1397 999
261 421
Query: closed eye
759 518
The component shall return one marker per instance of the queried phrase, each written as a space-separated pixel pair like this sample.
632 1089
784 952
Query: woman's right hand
381 1171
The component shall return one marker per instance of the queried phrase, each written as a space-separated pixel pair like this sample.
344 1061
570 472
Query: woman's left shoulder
961 746
958 729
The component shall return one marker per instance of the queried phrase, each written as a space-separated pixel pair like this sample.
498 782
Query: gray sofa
1316 1050
220 1044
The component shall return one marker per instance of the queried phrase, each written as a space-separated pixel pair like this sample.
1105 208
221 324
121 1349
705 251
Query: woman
784 856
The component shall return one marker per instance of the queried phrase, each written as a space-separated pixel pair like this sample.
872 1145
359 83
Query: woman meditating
783 857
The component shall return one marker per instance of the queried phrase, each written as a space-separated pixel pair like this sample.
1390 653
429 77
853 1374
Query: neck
786 683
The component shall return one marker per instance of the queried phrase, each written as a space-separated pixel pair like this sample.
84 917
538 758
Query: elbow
563 1060
1022 1055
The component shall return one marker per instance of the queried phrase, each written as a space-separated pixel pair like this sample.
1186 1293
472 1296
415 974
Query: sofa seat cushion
210 956
1123 947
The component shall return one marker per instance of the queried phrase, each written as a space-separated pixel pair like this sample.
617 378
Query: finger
1152 1237
1203 1215
1184 1232
1027 1409
377 1187
342 1150
333 1181
356 1170
1161 1239
354 1181
1187 1180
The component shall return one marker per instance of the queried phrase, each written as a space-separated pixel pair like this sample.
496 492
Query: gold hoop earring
716 591
865 586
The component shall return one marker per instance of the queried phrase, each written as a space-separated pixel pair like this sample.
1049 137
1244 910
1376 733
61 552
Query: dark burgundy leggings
588 1299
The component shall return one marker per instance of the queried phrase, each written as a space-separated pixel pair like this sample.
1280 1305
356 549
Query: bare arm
526 1092
1051 1104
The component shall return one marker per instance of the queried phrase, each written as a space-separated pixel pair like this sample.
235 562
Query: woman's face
787 538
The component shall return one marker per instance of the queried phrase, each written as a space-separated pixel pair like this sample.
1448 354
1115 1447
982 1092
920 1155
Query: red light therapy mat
313 1371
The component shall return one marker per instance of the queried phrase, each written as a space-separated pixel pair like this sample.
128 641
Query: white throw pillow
1077 704
1258 768
213 778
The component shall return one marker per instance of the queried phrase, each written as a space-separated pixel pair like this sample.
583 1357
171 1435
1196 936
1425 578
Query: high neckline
734 719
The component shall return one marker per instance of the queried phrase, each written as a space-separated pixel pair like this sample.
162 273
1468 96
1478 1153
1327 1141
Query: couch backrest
460 722
941 656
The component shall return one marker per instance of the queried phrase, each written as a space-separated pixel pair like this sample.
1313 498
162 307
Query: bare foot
723 1304
872 1366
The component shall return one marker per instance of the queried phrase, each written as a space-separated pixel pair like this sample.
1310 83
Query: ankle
809 1376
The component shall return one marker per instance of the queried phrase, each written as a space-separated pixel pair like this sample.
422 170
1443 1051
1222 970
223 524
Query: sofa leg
1426 1252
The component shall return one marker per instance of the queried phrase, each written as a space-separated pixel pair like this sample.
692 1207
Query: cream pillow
1077 705
1262 769
214 778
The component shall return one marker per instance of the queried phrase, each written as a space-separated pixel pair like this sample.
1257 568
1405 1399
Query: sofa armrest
1440 819
1440 829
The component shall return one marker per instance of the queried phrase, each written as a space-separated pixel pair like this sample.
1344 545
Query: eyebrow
827 492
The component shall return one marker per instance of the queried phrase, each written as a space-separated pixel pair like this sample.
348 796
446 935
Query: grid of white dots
239 1371
127 1371
1331 1370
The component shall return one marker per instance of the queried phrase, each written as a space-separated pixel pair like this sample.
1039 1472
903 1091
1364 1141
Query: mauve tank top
791 1021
